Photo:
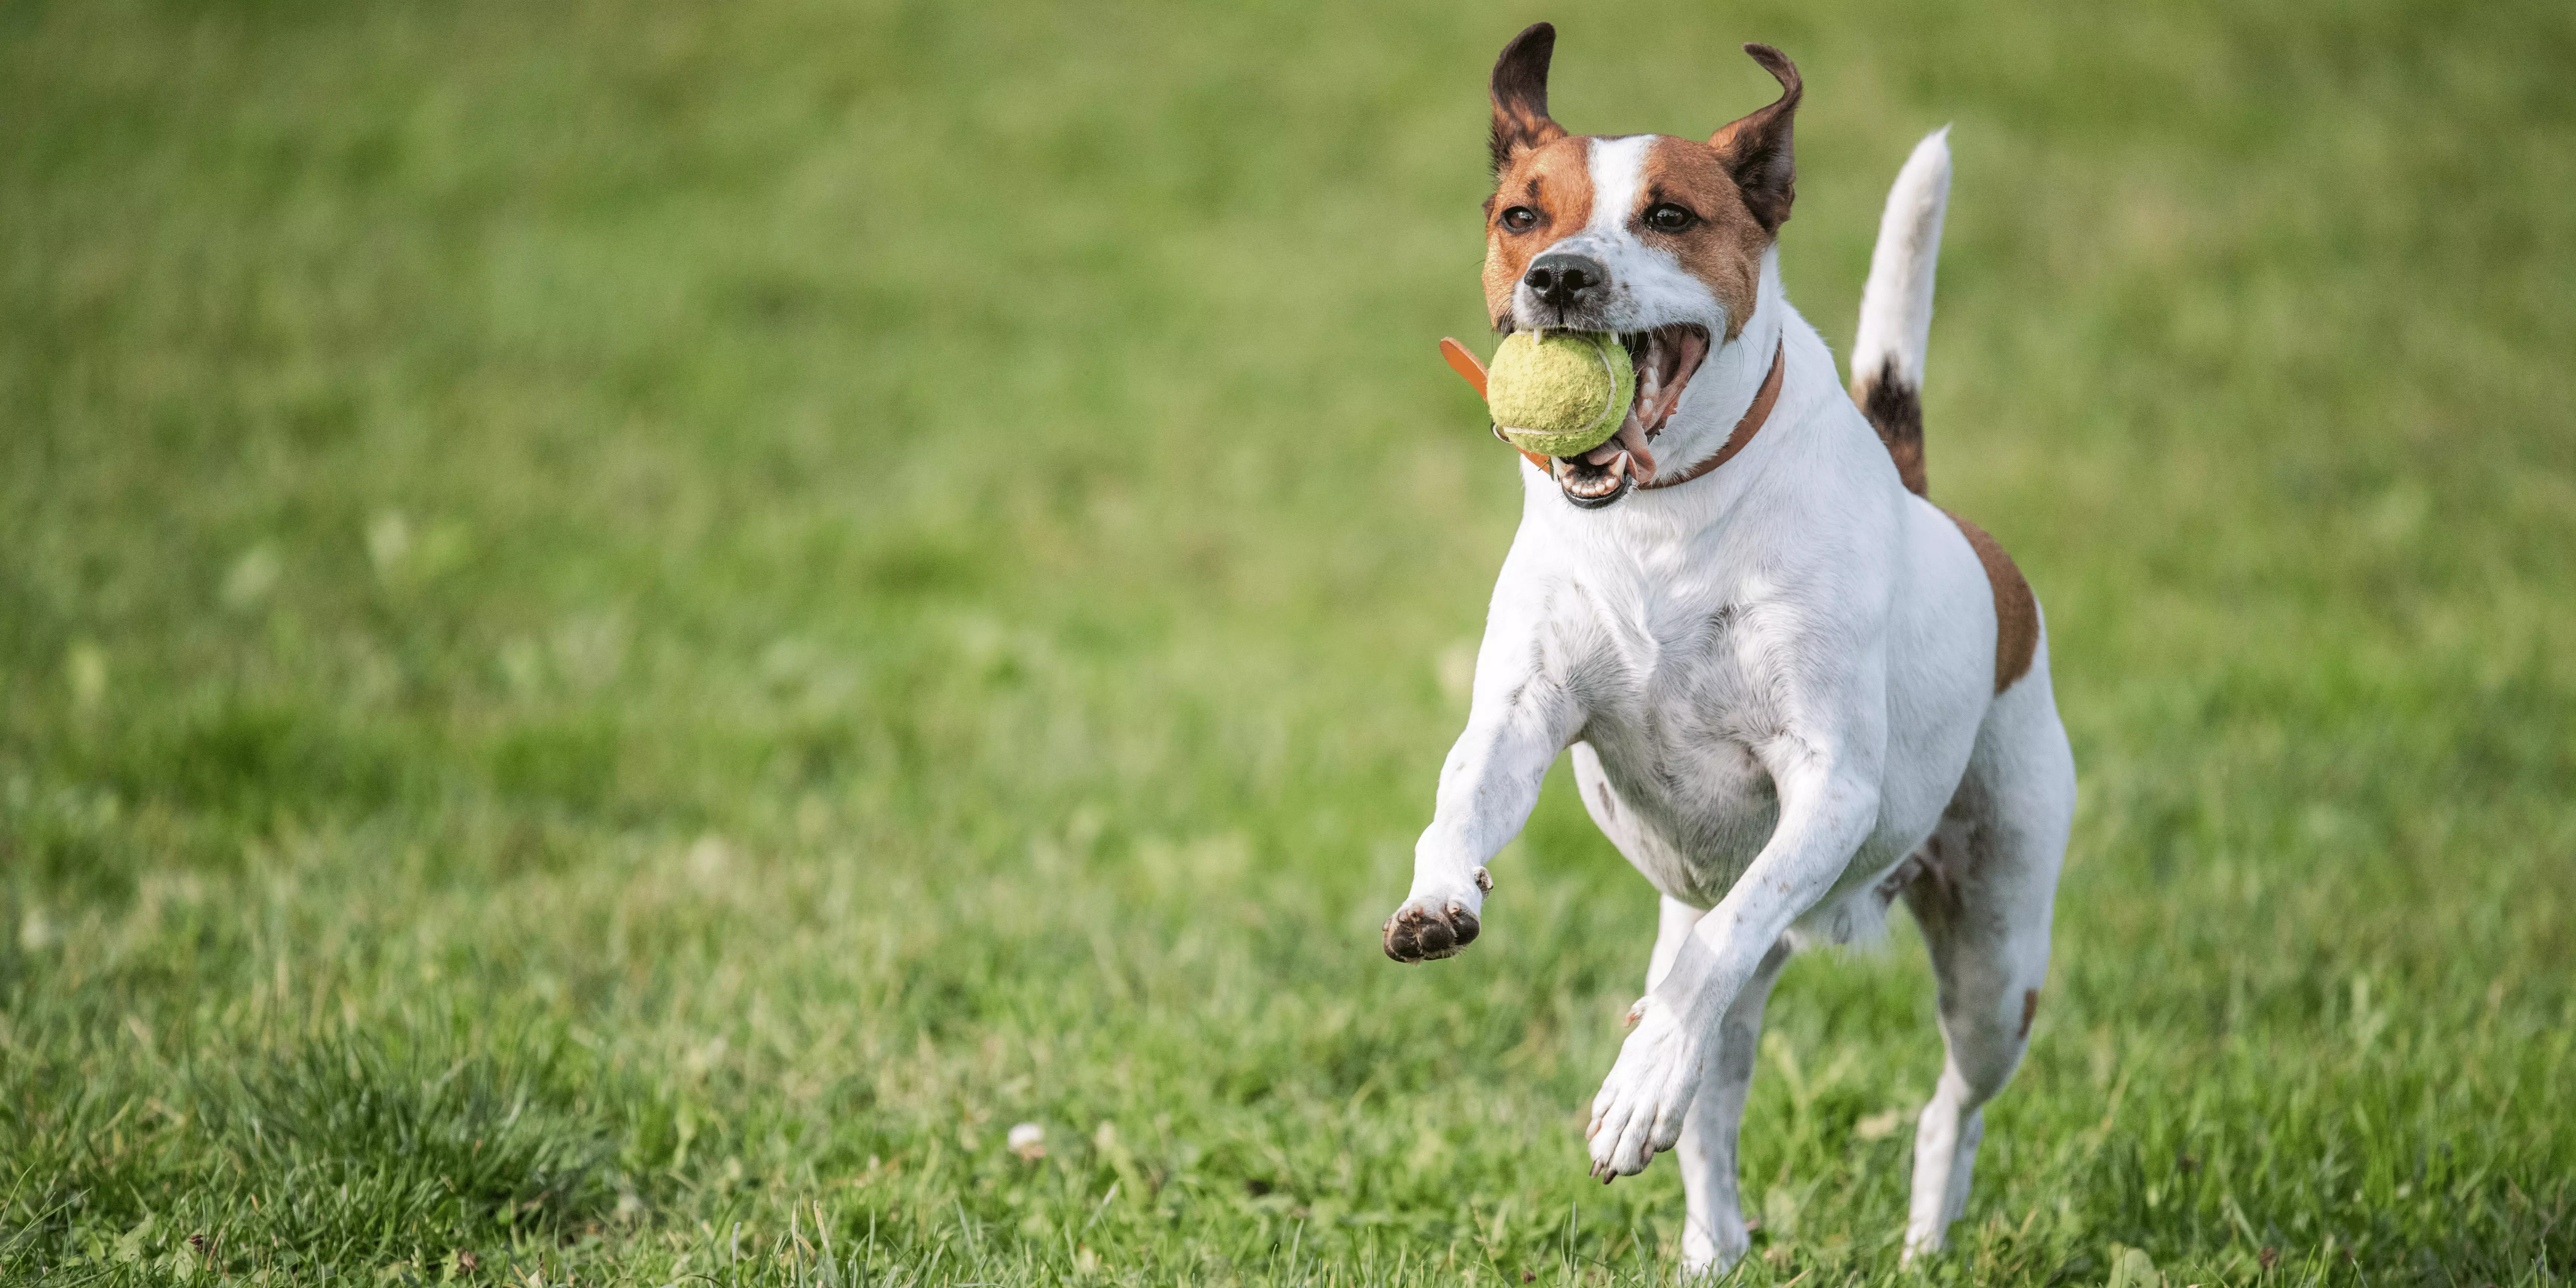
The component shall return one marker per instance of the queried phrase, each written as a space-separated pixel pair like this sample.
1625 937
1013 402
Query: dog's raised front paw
1640 1109
1432 926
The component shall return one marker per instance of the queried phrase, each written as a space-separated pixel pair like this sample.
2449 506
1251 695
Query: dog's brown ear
1756 149
1520 95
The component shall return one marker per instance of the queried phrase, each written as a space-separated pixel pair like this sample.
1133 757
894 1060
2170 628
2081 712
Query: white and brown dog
1795 690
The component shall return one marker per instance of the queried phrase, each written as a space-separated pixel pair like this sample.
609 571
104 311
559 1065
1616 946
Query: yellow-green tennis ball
1559 396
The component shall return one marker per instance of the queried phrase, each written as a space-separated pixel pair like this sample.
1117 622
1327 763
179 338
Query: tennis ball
1559 393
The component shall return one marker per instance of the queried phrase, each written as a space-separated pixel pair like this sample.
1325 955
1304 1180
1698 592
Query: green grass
626 631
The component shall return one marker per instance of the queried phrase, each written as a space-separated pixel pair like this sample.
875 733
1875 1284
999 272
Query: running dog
1795 690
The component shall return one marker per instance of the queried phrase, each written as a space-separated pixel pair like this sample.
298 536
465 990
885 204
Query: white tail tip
1896 306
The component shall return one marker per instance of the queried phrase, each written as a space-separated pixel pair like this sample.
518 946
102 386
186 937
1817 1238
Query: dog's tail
1896 306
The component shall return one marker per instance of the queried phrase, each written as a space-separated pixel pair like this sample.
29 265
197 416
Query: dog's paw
1432 926
1640 1109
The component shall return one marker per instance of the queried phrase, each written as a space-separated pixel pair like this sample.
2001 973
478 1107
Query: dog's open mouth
1666 358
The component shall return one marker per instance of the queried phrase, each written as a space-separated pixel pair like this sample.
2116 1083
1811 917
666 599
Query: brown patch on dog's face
2016 609
1542 179
1659 240
1541 197
1715 207
1718 206
1690 206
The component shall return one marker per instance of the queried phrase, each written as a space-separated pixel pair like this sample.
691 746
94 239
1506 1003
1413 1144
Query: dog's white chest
1666 763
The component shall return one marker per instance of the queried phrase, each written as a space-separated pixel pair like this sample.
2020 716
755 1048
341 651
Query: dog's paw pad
1427 930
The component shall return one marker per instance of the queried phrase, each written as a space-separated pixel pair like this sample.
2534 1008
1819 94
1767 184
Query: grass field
626 631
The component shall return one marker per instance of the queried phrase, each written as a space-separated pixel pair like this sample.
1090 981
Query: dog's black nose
1560 278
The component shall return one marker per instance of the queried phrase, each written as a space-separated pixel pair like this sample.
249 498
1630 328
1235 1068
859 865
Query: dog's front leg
1828 804
1521 719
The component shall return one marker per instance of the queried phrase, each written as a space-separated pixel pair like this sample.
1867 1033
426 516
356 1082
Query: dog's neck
1728 381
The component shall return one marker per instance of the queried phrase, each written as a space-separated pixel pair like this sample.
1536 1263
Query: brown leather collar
1745 429
1465 364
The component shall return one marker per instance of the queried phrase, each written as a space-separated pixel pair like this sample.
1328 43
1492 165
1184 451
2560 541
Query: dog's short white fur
1778 685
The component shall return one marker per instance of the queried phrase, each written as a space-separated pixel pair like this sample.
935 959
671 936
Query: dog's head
1657 238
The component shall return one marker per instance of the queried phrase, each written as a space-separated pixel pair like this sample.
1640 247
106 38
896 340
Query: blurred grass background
627 630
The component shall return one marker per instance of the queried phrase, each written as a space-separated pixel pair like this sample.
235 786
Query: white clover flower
1028 1140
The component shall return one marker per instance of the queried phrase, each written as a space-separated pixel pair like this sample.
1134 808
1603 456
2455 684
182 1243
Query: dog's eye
1665 217
1520 219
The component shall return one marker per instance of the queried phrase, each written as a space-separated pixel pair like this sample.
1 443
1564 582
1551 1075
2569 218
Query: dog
1794 689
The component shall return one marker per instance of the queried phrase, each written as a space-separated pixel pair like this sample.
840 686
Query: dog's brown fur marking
2016 611
1556 181
2029 1010
1740 183
1895 410
1723 249
1535 165
1520 96
1758 149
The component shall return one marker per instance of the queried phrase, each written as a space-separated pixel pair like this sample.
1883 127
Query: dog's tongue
1631 439
1657 396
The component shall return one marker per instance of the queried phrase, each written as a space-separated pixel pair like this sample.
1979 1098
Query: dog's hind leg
1983 900
1715 1235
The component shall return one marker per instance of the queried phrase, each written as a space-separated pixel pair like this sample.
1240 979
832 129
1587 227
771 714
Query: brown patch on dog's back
2016 610
1555 180
2029 1011
1896 412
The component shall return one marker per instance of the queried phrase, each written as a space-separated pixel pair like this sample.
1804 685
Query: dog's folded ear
1756 150
1520 95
